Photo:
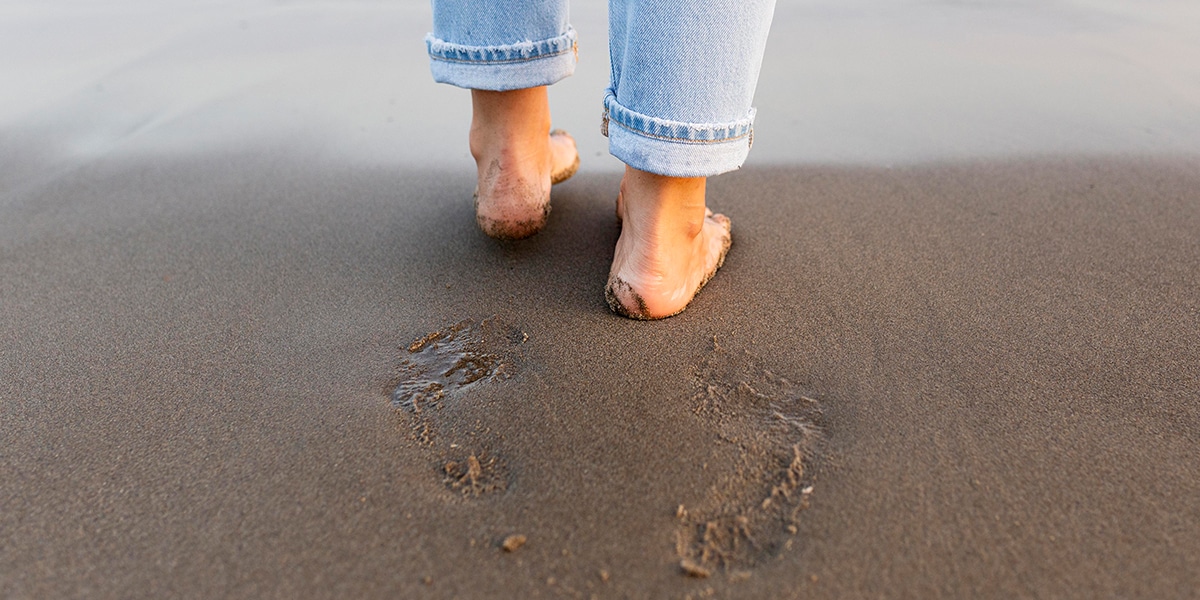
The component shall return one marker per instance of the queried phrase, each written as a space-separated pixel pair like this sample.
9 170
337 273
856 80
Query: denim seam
740 129
679 140
498 62
508 54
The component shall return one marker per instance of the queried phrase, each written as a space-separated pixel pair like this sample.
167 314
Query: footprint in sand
441 368
751 513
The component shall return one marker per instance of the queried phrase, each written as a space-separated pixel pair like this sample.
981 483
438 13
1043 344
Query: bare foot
670 245
518 158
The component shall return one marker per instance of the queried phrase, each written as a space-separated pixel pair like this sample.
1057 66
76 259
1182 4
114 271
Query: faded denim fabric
683 79
683 71
500 44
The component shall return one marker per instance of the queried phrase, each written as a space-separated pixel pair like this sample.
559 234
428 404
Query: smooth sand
199 359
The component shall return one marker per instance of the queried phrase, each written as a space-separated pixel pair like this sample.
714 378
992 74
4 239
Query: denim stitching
676 131
498 62
513 53
678 139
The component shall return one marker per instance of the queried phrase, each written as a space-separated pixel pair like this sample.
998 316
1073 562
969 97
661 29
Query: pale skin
670 243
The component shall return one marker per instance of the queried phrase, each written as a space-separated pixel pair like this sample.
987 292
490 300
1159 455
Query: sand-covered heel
623 299
511 229
520 195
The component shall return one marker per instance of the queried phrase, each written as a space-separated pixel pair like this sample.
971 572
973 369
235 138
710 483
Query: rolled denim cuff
676 148
501 68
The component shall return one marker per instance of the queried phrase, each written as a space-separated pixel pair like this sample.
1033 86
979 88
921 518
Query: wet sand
255 345
1001 358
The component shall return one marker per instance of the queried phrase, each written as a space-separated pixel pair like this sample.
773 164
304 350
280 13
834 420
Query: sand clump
513 542
693 569
476 475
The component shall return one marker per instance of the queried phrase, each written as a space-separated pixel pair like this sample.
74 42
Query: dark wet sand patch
442 367
448 361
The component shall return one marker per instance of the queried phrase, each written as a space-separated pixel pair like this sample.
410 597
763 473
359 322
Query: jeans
683 71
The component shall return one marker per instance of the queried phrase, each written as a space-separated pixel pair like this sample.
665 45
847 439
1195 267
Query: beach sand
256 347
991 370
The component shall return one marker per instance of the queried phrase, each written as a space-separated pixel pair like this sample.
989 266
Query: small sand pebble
512 542
692 569
681 512
604 575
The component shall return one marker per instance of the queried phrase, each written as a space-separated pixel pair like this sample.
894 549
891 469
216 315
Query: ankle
510 122
668 208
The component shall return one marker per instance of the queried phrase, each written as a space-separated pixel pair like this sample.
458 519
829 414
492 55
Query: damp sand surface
959 380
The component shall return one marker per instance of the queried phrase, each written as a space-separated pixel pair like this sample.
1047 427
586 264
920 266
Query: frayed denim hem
501 68
674 148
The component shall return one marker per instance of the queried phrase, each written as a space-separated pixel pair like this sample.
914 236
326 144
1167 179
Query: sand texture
243 376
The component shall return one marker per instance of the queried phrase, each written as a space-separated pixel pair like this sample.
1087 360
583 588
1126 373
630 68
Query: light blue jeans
683 71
